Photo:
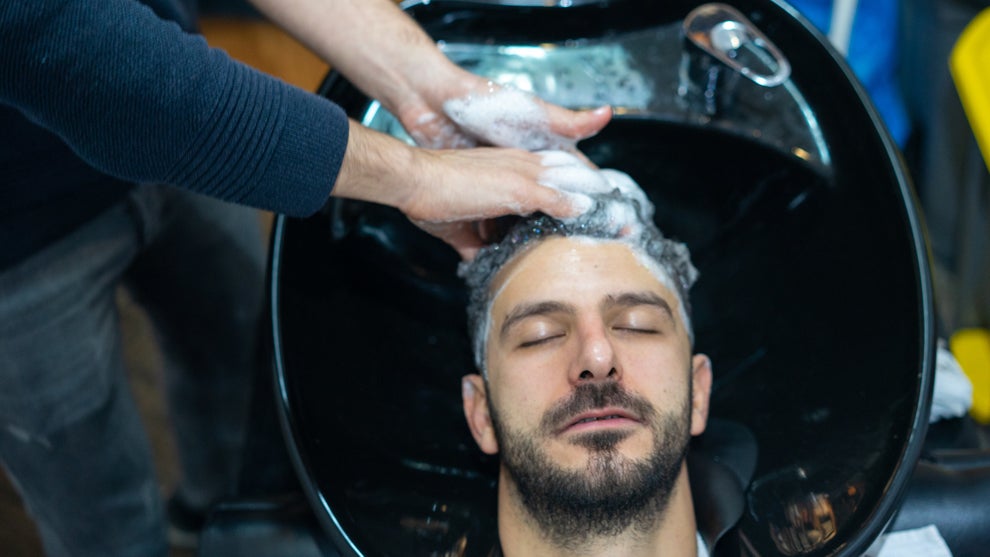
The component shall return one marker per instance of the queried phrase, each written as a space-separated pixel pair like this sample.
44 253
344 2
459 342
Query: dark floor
18 536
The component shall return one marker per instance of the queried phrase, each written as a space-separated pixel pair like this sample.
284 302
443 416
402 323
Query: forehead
576 270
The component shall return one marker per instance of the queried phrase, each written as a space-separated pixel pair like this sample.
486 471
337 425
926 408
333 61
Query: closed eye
640 319
539 341
637 330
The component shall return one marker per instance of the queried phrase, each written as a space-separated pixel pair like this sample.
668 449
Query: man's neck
672 534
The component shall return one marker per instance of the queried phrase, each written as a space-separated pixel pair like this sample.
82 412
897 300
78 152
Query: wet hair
623 214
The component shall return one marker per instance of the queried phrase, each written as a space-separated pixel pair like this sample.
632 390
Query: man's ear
701 382
476 413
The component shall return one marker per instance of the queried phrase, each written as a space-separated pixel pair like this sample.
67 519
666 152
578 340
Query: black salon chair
814 300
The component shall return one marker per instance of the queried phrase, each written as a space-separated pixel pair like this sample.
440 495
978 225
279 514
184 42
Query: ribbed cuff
269 145
310 148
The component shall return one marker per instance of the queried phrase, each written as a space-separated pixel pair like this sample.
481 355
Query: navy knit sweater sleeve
140 99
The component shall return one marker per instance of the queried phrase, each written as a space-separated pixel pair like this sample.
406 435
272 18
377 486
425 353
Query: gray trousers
70 435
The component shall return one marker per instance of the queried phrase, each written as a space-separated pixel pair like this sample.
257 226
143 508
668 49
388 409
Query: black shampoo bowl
814 300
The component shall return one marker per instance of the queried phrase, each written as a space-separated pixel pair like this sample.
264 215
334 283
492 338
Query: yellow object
970 67
971 347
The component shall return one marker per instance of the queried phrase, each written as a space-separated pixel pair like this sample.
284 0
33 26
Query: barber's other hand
389 57
466 110
449 192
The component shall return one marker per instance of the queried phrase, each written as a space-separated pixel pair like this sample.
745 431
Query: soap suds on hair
621 212
566 172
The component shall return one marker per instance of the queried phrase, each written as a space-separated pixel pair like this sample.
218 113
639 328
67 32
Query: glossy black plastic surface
814 304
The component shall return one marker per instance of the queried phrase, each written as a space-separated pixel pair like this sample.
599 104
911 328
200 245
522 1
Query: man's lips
600 418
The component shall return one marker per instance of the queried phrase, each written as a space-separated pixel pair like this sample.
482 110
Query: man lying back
588 389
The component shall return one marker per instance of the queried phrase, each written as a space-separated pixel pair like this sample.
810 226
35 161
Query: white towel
921 542
953 394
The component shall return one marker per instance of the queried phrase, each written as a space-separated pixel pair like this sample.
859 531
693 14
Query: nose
596 358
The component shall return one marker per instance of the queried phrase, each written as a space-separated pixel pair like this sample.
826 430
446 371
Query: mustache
589 396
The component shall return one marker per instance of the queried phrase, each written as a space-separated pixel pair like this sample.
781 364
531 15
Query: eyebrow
524 311
644 298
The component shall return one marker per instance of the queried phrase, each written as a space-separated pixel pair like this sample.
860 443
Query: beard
612 493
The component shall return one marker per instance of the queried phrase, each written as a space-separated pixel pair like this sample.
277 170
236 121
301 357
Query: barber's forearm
447 185
378 47
376 167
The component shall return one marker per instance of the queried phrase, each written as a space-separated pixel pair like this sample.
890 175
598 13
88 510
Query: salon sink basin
814 299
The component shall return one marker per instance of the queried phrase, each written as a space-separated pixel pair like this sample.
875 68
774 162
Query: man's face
589 364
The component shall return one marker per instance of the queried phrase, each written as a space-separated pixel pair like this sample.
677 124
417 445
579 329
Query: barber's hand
388 56
449 192
463 189
466 110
